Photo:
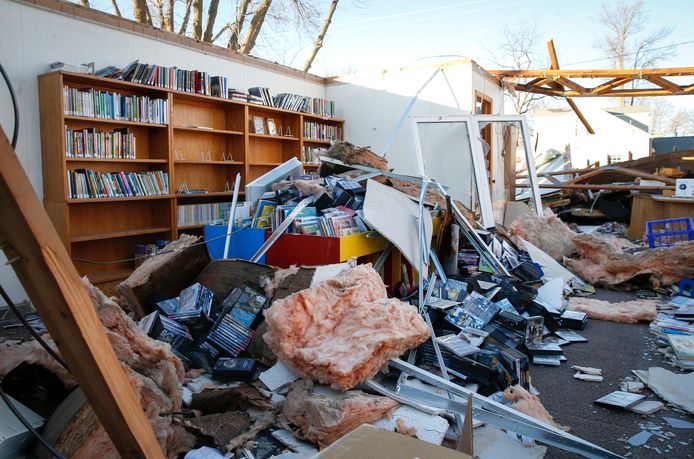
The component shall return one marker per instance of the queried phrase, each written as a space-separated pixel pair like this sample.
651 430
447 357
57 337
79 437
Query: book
533 329
682 346
258 125
619 399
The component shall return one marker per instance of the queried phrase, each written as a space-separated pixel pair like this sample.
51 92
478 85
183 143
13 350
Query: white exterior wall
31 38
612 135
373 103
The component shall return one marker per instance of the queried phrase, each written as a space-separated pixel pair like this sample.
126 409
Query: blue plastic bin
664 233
244 243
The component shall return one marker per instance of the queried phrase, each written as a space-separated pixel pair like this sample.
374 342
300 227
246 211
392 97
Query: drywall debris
672 387
205 452
344 329
631 386
221 427
261 423
492 443
587 377
628 312
323 418
278 376
678 423
271 283
587 370
647 407
530 404
640 438
415 423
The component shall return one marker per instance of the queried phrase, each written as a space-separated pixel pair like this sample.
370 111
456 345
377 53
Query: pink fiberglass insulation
548 233
325 417
603 265
530 404
628 312
343 330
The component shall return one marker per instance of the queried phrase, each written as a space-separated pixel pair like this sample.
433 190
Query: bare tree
211 18
85 3
254 28
319 41
140 11
626 42
115 8
169 18
237 26
197 19
186 18
682 122
660 109
519 48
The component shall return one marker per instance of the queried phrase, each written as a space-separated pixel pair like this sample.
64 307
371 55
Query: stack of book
318 131
239 96
320 107
90 143
170 78
287 101
202 214
261 96
101 104
311 154
337 222
87 184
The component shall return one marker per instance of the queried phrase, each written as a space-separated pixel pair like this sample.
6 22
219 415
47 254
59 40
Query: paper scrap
278 376
640 438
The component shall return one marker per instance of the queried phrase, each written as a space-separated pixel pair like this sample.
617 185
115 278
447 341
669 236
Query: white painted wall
32 38
559 128
372 103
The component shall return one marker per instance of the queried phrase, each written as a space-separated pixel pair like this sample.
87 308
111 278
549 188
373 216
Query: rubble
325 417
628 312
344 329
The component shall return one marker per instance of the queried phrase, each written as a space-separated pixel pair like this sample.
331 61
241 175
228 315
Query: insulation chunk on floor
530 404
325 417
343 330
628 312
603 265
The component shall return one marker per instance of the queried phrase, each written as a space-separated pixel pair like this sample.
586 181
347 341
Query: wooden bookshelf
194 148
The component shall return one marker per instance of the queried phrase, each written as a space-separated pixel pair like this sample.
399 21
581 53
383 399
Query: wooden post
42 264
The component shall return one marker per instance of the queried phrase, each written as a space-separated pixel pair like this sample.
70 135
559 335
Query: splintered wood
343 330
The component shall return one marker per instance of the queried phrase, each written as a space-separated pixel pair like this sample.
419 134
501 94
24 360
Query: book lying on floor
619 399
682 346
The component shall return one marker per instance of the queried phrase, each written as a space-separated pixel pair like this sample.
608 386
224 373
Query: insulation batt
548 233
326 417
603 265
628 312
530 404
343 330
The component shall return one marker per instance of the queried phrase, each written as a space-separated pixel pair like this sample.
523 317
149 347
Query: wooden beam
613 93
638 173
584 177
594 73
666 84
570 84
598 186
572 104
613 83
46 272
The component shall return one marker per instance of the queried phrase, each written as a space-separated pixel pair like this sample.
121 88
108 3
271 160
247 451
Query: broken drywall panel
551 295
550 267
14 437
587 370
326 272
647 407
205 452
427 427
396 217
279 375
672 387
678 423
490 442
640 438
587 377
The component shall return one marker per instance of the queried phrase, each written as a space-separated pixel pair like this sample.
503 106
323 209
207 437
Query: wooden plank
63 302
571 84
642 174
598 186
593 73
583 119
665 84
584 177
613 83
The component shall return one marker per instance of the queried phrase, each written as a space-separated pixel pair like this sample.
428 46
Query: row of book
202 214
90 143
88 184
318 131
319 107
170 78
110 105
311 154
292 102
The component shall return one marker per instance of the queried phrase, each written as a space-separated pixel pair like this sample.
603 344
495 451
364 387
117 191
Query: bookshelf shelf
116 160
93 119
116 234
211 163
275 137
108 229
322 142
210 131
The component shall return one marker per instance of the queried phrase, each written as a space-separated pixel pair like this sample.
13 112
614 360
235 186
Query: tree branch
319 41
211 18
254 28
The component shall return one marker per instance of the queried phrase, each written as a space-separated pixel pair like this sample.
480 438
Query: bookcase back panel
206 146
111 217
209 177
116 249
260 121
122 166
188 114
271 151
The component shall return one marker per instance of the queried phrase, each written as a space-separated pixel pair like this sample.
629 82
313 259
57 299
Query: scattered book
682 346
619 399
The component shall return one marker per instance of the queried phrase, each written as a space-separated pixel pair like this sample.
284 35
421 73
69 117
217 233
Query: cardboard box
684 188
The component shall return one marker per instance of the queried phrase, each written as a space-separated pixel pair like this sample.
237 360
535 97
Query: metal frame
478 163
